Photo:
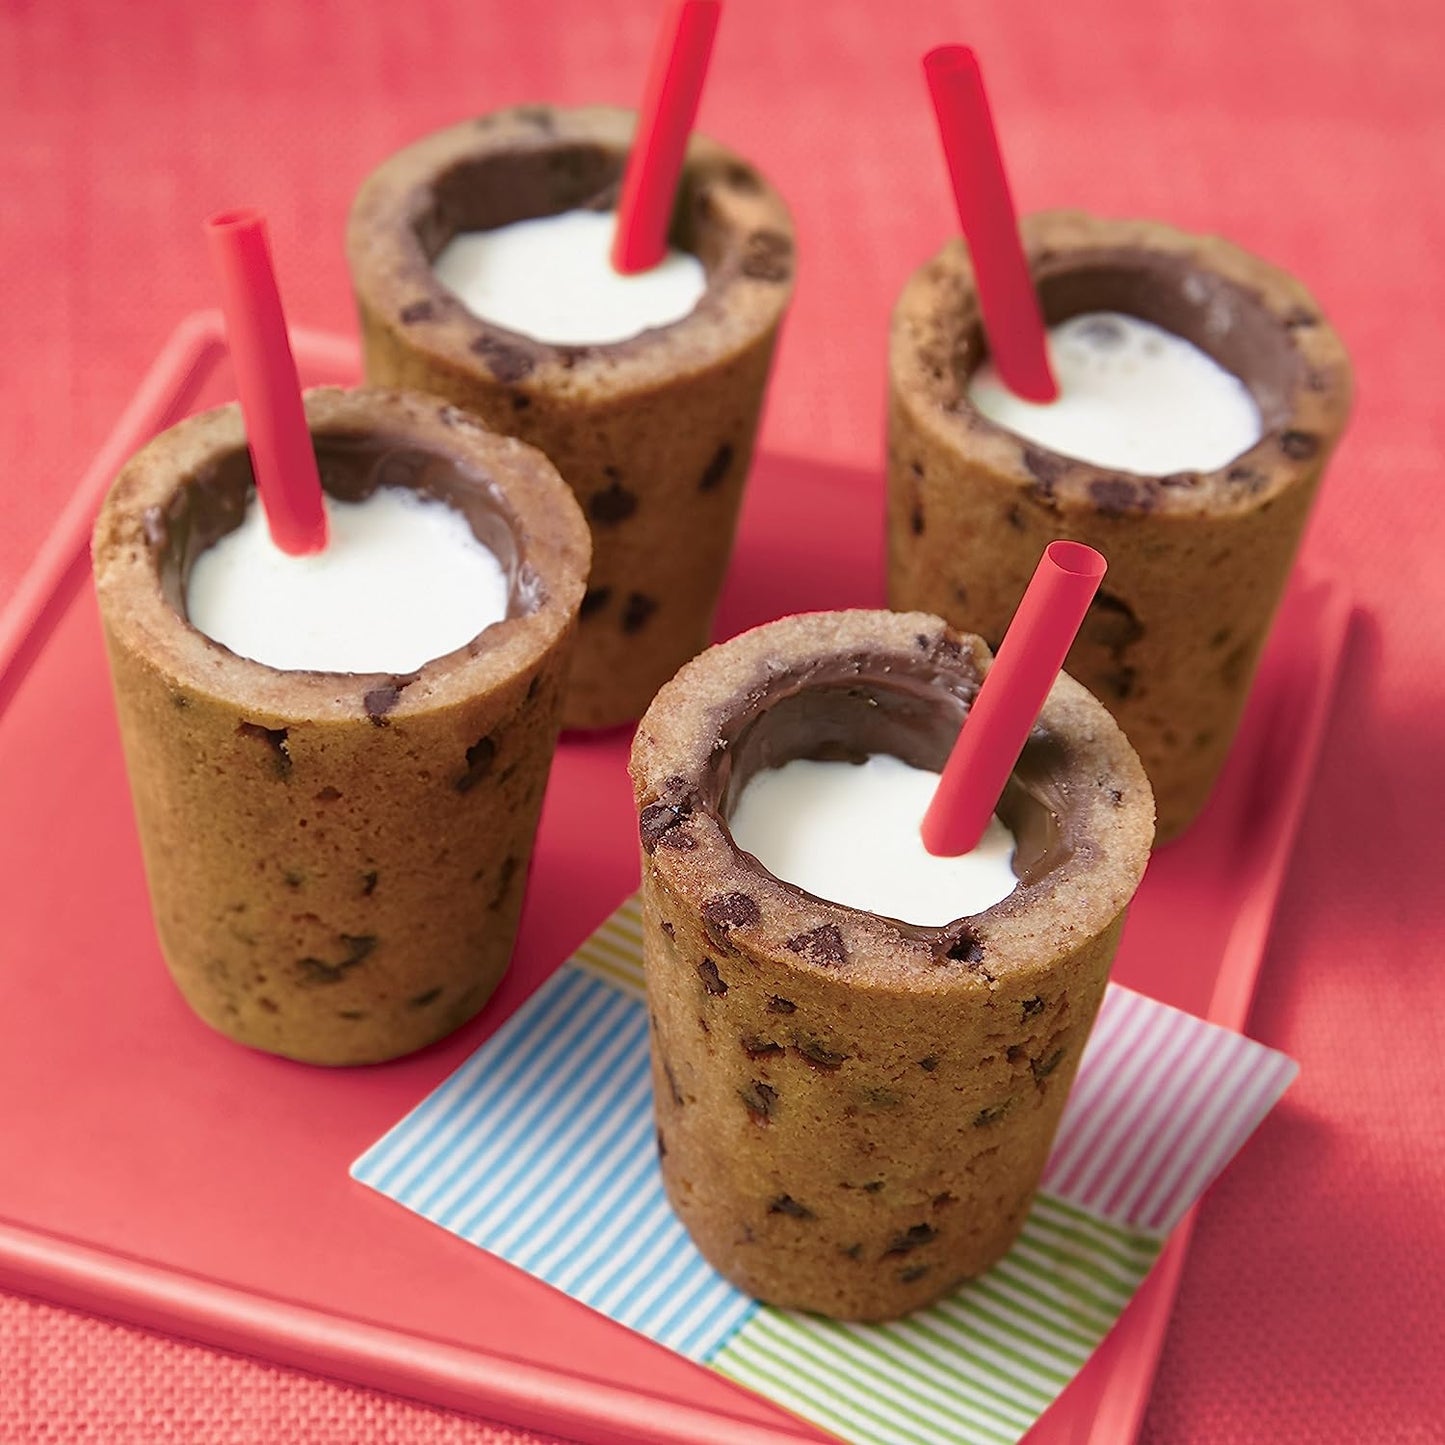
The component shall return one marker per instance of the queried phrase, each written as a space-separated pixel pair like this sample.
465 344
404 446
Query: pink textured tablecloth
1314 132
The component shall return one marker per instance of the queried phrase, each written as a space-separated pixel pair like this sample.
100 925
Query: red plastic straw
282 458
1006 294
999 722
669 107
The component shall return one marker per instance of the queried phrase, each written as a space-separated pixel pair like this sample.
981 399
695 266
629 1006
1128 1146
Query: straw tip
1077 559
950 57
234 218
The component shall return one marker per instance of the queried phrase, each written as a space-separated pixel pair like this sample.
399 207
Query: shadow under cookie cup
655 433
854 1112
1198 560
336 861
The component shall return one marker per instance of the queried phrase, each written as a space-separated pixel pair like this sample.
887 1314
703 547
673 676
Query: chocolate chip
915 519
368 883
820 1056
778 1005
1299 446
657 820
760 1100
731 910
1121 683
594 599
1033 1007
661 1145
672 1085
328 795
540 117
1042 1068
421 1000
1116 796
1235 665
991 1115
480 757
873 1186
1113 623
965 947
768 256
269 1004
1114 496
820 945
273 738
786 1204
912 1238
315 971
292 879
638 608
1300 317
415 311
717 467
756 1048
520 401
380 700
505 874
668 930
711 979
851 1251
1045 468
913 1273
929 1064
611 506
504 359
917 469
743 178
942 1201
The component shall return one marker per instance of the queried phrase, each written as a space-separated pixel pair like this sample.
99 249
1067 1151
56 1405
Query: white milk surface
552 279
850 833
1132 396
403 579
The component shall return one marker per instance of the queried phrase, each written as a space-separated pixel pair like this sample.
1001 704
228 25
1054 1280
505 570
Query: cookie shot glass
1202 394
337 761
855 1099
480 261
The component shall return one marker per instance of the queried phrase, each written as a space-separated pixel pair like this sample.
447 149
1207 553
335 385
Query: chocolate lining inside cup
837 712
501 187
1226 321
211 502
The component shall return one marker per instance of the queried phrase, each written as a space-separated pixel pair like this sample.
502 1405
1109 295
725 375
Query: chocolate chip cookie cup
336 861
654 434
1198 561
854 1112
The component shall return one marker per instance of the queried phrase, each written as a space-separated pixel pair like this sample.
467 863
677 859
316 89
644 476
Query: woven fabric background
1310 130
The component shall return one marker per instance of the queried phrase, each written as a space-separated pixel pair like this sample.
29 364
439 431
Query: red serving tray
156 1173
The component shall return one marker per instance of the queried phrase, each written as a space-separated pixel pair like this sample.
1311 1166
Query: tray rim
473 1380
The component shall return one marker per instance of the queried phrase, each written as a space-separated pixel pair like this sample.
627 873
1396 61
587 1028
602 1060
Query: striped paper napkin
540 1148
